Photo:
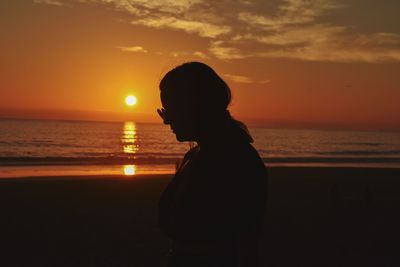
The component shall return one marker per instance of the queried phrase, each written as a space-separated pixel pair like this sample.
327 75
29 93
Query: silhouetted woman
212 210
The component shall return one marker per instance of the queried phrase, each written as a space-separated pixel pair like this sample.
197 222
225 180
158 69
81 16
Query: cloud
243 79
294 33
200 54
140 49
264 81
132 49
169 14
335 54
239 78
317 33
189 54
48 2
203 29
168 6
248 2
165 14
291 12
327 43
221 51
290 29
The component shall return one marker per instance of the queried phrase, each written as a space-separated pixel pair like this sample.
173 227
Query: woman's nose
162 113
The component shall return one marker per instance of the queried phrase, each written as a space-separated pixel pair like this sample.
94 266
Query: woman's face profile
179 118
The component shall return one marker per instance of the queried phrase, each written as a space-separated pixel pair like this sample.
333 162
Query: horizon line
252 123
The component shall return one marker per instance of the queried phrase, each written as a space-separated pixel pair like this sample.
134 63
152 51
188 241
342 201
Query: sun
131 100
129 170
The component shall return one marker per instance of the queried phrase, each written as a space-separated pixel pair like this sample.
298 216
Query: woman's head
193 95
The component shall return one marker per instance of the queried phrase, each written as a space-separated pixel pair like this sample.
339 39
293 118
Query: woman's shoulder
237 157
241 151
247 156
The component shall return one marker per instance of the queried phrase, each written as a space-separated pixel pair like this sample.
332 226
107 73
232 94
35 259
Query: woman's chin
182 138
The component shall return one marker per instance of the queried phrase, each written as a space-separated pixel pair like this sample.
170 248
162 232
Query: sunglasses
163 114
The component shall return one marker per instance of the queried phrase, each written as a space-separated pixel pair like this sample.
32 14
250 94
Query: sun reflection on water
129 170
129 138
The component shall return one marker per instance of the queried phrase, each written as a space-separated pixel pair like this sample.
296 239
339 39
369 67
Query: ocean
44 147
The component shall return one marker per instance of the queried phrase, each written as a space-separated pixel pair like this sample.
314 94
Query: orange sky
288 62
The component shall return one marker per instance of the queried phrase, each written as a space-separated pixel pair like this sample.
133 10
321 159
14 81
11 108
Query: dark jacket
218 192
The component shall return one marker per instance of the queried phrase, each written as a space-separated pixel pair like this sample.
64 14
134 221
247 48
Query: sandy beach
315 217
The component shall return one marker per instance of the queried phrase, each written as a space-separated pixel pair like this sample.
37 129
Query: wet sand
315 217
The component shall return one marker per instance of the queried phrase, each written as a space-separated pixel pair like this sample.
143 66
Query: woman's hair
198 84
